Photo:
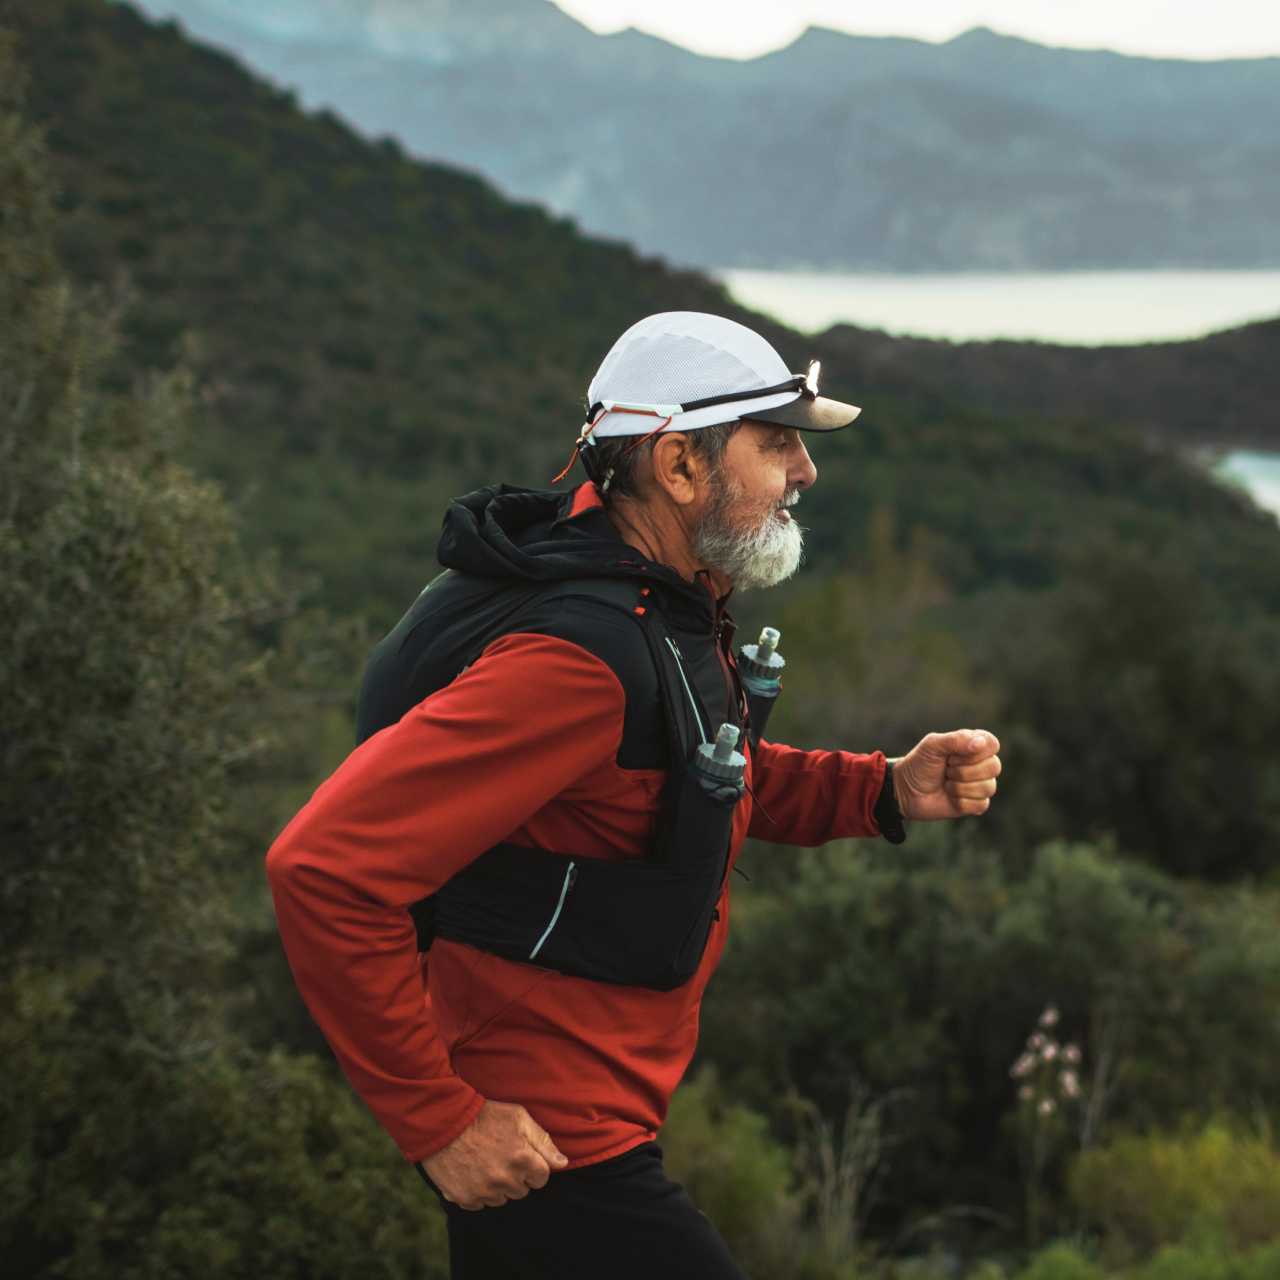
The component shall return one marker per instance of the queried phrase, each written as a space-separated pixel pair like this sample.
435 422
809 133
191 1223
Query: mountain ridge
1213 394
984 152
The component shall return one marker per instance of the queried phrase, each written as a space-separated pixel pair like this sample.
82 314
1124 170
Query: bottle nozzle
717 764
726 740
761 662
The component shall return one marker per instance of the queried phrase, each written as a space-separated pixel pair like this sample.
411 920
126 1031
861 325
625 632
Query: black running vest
640 922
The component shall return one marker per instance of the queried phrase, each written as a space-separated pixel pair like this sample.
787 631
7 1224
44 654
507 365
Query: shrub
920 970
1061 1262
784 1216
737 1175
1154 1190
1064 1261
1128 657
141 1140
127 1160
1185 1263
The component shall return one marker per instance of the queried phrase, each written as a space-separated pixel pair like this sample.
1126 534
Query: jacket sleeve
810 797
409 807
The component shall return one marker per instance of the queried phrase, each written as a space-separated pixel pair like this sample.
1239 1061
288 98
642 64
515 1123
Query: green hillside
379 333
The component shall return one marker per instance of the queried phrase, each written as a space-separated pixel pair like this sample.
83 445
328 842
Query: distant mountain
837 151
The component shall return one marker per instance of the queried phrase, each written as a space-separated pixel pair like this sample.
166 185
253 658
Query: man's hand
947 775
498 1157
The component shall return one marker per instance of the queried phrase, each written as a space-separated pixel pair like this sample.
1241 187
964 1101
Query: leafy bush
141 1140
1153 1190
920 970
128 1158
1065 1262
786 1215
1061 1262
735 1172
1142 712
131 677
1184 1263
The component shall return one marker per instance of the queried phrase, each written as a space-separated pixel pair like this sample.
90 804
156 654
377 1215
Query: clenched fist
500 1156
947 775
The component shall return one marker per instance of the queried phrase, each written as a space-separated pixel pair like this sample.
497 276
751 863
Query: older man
526 802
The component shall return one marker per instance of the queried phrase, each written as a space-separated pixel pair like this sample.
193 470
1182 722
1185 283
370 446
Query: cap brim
809 414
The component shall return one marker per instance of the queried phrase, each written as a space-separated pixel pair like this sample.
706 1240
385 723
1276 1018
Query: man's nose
802 472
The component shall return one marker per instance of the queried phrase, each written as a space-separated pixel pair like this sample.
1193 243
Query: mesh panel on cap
678 356
673 370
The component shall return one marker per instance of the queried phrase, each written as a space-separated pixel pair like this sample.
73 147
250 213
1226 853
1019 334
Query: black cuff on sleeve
887 814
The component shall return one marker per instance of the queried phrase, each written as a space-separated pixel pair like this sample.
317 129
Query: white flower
1070 1084
1022 1067
1049 1052
1047 1106
1035 1042
1049 1018
1071 1054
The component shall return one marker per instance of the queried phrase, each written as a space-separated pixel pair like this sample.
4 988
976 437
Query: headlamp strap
805 383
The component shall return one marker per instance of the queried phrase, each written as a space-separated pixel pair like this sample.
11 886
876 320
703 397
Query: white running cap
665 361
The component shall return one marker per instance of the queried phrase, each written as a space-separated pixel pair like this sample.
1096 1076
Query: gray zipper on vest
684 680
564 893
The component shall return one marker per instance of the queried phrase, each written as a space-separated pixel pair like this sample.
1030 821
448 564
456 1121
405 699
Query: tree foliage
141 1138
917 974
1139 710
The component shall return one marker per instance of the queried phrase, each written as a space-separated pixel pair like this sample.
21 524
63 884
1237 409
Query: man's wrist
887 813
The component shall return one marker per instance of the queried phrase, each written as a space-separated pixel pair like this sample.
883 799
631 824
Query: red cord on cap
639 440
583 436
568 466
591 426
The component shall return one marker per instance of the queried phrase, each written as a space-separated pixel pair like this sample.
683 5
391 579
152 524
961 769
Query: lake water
1258 472
1077 307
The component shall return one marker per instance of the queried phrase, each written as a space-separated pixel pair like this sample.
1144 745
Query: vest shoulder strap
684 713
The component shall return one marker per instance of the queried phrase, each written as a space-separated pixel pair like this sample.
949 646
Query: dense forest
246 357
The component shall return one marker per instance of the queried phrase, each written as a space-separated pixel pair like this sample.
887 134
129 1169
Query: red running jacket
523 746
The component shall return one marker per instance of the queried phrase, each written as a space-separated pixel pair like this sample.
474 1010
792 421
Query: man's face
747 531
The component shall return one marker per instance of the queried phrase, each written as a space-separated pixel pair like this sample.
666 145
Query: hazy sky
744 28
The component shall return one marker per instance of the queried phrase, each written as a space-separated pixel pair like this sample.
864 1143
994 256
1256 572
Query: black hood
504 532
502 547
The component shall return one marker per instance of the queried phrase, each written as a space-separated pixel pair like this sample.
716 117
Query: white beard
752 556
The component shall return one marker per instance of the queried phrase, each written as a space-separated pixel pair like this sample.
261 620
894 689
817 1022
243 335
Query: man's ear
676 468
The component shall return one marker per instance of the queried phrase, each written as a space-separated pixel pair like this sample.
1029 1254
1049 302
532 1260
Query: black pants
621 1218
